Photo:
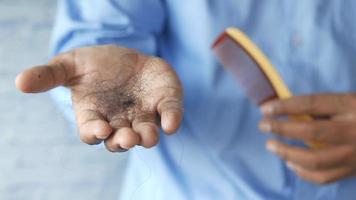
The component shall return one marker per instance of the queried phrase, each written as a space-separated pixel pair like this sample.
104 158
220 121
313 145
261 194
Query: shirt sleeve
131 23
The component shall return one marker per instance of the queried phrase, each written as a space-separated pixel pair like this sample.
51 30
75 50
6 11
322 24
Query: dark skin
121 97
334 161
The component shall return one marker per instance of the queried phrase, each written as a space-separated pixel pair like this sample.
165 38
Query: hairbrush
252 69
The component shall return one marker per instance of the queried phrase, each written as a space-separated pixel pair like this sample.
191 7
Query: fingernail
272 147
267 109
265 127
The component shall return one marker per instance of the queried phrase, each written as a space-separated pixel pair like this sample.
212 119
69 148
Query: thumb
42 78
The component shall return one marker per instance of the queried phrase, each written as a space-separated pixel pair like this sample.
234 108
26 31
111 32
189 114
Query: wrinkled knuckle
171 103
145 118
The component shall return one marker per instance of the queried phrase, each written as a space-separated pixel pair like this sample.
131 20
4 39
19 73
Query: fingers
120 134
42 78
323 176
317 165
142 131
123 138
93 128
329 163
324 131
318 105
145 126
171 112
314 159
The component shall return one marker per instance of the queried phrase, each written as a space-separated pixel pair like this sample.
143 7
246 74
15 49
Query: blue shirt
219 153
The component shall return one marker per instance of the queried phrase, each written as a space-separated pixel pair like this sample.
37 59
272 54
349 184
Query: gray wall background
40 156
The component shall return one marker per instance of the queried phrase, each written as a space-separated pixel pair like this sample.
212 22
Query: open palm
119 96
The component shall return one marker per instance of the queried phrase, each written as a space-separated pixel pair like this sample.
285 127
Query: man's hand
335 125
119 95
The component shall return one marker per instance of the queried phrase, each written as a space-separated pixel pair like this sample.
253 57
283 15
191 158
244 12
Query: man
121 96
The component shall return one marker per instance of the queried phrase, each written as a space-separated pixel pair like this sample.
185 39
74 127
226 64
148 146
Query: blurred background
41 157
